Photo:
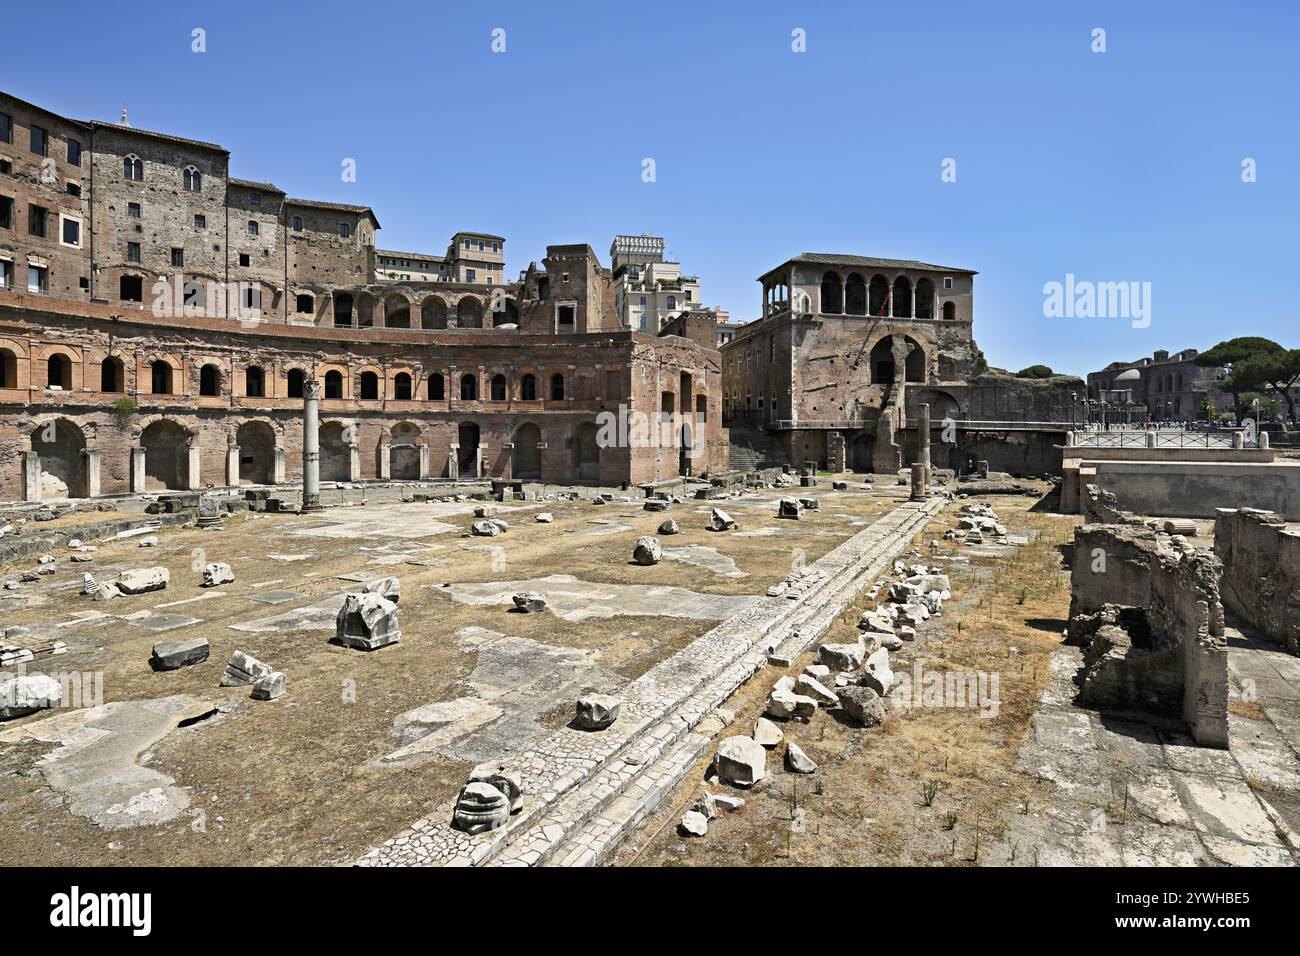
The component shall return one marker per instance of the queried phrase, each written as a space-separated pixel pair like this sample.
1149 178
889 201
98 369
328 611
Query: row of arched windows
161 381
133 169
856 296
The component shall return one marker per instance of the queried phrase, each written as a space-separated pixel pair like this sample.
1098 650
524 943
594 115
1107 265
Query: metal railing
1163 438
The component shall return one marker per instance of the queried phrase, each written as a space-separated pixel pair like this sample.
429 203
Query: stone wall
1261 576
1149 616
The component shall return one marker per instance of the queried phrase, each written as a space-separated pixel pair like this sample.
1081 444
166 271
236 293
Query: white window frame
80 227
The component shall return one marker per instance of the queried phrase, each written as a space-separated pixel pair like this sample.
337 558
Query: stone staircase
753 448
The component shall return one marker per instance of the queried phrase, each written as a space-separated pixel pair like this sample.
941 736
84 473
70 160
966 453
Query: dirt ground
930 786
297 780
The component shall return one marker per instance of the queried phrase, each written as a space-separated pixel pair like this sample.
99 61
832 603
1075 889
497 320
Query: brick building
165 339
845 349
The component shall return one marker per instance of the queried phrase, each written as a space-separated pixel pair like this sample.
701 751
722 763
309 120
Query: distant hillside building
1162 387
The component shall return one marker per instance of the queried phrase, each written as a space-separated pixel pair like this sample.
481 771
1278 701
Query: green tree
1246 361
1035 371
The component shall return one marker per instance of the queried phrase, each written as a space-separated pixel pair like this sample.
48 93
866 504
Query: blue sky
1119 166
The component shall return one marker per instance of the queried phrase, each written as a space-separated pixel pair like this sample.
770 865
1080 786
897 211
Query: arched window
468 388
855 295
557 387
902 298
369 385
343 309
8 369
306 304
192 179
878 296
252 227
950 311
333 384
254 382
345 231
296 383
924 299
498 388
161 375
59 372
110 375
832 294
402 386
297 223
437 388
528 388
209 380
132 167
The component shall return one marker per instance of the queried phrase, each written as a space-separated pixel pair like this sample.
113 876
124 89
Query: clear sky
1117 166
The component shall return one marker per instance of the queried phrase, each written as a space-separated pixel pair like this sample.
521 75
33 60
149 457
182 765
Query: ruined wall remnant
1261 572
1148 614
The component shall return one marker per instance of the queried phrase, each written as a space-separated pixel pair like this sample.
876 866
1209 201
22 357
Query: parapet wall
1261 572
1149 616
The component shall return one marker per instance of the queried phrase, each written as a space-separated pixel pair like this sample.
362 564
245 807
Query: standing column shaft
311 446
923 441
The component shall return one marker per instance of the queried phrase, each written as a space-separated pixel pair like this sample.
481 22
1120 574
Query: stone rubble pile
366 622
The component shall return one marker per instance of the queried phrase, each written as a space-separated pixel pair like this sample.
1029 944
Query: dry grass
933 784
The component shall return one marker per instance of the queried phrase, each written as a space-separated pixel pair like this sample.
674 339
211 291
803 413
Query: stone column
192 465
31 476
424 461
232 464
137 470
310 446
918 482
354 462
923 441
385 461
277 465
92 472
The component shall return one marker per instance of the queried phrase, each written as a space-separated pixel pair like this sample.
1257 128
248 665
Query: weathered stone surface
669 527
544 517
797 761
596 711
366 622
216 574
862 705
27 693
269 687
740 761
728 801
647 550
140 580
808 687
656 504
719 520
485 529
767 733
705 804
694 823
530 601
810 504
170 655
480 807
789 508
243 669
508 781
388 587
842 657
877 673
783 703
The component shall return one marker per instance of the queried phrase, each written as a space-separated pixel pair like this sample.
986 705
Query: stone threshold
570 777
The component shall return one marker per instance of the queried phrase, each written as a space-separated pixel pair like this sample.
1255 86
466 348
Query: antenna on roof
123 121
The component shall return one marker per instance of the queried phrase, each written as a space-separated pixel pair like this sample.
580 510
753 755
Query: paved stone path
583 791
1134 790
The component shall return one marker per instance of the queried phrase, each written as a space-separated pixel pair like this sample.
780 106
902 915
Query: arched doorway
586 453
526 458
467 454
334 453
397 313
404 452
860 452
256 442
60 444
882 362
166 455
832 294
